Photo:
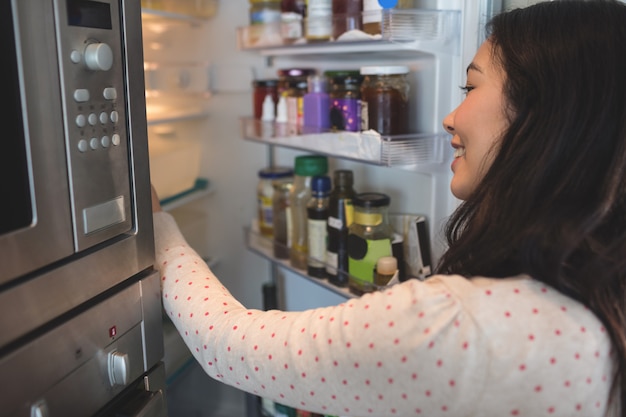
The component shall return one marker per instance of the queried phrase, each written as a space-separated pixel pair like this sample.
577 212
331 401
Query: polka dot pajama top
447 346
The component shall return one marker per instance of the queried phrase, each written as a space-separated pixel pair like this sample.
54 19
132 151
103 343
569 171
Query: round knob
99 57
118 368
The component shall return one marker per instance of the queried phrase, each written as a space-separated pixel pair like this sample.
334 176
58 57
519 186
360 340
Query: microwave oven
74 172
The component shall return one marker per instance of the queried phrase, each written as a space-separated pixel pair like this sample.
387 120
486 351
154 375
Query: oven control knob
118 368
99 57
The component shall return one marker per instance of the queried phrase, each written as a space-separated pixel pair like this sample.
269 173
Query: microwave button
116 139
105 141
99 57
115 117
93 143
81 120
81 95
82 145
104 118
110 93
93 119
75 56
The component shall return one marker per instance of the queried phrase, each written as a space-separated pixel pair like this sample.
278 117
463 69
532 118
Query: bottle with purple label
345 100
316 105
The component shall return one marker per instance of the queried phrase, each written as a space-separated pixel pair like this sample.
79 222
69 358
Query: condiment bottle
268 177
345 100
372 17
319 20
317 218
369 239
292 83
316 105
385 92
306 167
340 217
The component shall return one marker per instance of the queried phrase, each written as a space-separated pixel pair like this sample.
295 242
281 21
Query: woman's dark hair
553 203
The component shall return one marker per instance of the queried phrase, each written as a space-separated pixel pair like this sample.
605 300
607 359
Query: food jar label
345 114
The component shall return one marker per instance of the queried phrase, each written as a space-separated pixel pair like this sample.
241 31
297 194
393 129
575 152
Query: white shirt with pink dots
446 346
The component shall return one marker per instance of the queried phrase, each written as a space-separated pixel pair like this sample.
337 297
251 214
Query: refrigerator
206 150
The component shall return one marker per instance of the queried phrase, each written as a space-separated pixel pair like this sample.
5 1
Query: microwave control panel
90 39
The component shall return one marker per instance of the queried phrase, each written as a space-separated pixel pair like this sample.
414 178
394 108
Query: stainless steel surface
46 278
80 307
69 367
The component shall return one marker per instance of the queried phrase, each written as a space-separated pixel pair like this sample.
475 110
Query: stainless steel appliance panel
40 294
32 54
78 367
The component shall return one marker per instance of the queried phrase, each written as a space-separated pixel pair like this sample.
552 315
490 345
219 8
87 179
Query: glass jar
268 178
369 239
385 93
345 100
261 89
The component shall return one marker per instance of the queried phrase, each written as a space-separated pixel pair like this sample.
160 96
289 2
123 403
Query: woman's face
477 123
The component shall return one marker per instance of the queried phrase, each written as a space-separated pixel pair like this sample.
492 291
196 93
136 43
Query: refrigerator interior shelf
420 152
201 188
409 30
191 17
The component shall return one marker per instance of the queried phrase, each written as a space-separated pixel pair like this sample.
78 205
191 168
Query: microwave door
35 224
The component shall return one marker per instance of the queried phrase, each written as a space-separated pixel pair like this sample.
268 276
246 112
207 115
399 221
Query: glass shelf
201 188
416 151
412 30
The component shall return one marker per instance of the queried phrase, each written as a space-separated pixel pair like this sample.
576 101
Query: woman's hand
156 205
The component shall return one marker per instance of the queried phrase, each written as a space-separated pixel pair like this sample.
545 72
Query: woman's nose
448 123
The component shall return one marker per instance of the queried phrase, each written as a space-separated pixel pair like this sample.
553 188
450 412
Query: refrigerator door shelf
417 152
409 30
414 262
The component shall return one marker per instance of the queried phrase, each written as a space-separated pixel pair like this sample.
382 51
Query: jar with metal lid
369 238
345 100
268 178
385 97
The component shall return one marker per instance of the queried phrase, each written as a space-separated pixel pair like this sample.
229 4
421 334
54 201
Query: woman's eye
466 88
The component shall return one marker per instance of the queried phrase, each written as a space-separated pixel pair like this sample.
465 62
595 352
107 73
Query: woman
527 314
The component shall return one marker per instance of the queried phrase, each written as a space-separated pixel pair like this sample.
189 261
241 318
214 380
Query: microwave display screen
14 176
90 14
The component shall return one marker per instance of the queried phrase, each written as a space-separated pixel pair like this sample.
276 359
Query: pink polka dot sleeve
446 346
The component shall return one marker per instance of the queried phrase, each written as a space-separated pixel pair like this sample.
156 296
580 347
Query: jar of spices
268 178
345 100
385 92
369 239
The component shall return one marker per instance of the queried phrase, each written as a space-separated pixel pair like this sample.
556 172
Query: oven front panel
80 366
